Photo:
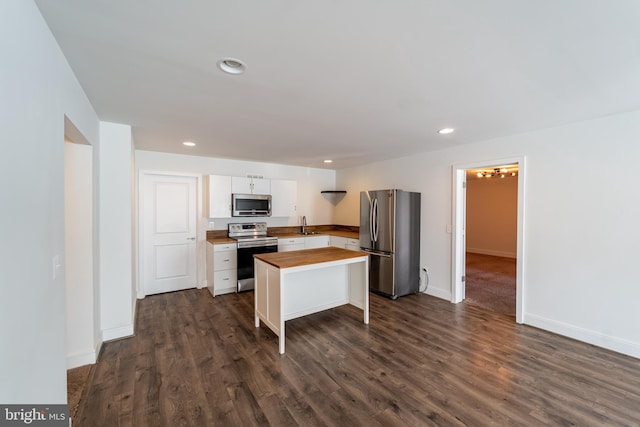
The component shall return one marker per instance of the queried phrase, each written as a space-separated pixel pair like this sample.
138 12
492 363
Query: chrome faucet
304 225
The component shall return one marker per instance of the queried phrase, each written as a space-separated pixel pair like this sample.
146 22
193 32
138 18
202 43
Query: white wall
492 213
78 210
581 230
311 181
116 231
38 90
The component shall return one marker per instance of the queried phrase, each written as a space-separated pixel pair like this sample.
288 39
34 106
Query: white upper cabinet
284 197
241 185
219 196
284 194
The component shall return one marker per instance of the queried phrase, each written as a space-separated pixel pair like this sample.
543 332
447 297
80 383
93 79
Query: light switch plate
56 266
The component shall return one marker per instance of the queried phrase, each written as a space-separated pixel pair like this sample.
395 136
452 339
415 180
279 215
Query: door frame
458 241
201 229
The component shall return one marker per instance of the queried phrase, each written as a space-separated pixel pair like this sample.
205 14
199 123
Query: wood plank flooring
199 361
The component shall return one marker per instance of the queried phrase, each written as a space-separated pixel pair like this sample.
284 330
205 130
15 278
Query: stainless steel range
252 239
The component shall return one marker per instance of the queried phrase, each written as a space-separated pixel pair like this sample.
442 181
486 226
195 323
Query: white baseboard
438 293
81 358
492 253
598 339
116 333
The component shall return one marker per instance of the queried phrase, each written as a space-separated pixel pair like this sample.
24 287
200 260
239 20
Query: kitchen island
292 284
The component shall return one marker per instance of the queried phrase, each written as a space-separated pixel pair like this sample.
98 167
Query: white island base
293 284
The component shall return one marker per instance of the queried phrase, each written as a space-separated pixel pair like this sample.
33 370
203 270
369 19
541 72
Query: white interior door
168 213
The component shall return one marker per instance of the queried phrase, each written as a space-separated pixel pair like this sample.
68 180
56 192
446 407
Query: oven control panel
247 229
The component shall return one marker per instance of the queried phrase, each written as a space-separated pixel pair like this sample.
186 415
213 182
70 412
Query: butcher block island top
304 257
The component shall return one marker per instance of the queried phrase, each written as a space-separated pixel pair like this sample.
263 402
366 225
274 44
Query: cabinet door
284 197
340 242
290 244
241 185
260 186
219 196
316 242
353 244
287 248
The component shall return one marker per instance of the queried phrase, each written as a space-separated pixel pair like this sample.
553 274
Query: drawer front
353 242
224 261
291 241
227 279
287 248
220 247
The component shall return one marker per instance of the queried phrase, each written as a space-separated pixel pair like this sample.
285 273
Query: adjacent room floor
491 283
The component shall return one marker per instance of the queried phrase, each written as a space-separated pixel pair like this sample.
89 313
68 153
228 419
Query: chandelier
497 172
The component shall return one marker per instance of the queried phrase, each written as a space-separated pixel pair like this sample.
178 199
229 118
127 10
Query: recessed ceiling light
231 66
328 161
445 131
189 144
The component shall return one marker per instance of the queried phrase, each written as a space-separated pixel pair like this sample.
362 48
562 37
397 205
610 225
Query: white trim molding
598 339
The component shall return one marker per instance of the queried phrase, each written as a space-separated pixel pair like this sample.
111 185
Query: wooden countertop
221 240
307 256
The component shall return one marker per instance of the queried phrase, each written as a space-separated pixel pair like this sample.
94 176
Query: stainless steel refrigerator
390 233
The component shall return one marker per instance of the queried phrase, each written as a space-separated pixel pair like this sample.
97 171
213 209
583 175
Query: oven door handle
243 245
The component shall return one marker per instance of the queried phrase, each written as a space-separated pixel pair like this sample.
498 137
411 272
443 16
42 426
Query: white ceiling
352 80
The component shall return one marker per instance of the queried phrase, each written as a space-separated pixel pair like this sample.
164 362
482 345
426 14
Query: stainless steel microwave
250 205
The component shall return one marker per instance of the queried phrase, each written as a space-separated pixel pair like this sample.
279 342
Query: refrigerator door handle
371 219
374 220
376 253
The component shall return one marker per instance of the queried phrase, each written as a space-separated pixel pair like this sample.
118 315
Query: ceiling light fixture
189 144
497 172
231 66
328 161
446 131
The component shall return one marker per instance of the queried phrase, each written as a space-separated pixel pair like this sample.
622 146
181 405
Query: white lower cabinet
339 242
311 242
222 262
353 244
290 244
345 242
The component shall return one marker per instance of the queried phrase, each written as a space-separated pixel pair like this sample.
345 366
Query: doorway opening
488 237
81 312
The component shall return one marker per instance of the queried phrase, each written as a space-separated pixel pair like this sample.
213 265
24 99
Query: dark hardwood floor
199 361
